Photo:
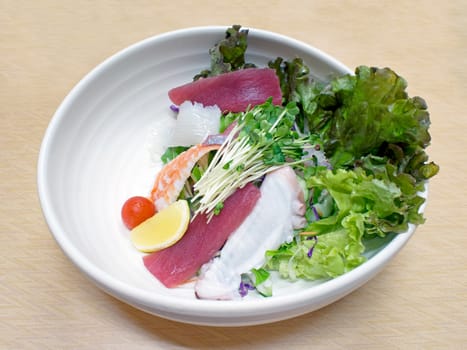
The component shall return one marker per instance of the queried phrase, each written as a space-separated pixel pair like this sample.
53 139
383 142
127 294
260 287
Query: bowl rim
133 295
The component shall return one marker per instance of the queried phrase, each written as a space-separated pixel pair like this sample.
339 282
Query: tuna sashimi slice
233 91
178 263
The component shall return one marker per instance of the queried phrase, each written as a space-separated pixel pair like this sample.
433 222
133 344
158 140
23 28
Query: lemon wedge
163 229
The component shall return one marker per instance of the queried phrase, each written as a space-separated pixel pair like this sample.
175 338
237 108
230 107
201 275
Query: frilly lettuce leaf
369 113
228 54
378 197
373 115
374 136
322 257
365 206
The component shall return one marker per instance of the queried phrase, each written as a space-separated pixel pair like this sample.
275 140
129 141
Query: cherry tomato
136 210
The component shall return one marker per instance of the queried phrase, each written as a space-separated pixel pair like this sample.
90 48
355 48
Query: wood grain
418 302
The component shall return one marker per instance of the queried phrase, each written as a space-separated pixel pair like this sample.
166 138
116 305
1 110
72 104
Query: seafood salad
269 171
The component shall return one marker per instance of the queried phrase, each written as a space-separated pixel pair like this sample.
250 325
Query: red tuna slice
178 263
233 91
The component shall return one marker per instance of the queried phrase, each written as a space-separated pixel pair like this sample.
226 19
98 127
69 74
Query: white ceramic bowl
95 154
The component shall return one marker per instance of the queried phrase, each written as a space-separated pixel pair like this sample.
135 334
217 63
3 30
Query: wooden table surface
418 302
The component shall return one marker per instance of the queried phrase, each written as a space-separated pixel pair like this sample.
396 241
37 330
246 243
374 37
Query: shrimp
171 179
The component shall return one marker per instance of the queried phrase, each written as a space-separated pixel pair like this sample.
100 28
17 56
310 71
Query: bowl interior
97 152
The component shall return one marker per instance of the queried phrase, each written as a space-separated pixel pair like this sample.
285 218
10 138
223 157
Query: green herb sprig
262 141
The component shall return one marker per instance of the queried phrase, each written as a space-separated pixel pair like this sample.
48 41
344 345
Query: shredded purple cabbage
315 212
244 288
217 139
174 108
310 252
